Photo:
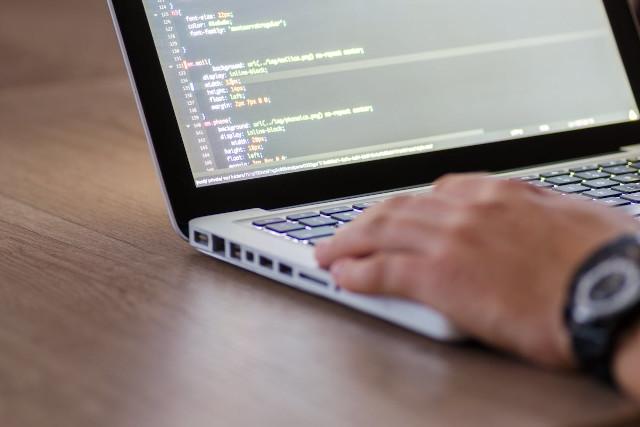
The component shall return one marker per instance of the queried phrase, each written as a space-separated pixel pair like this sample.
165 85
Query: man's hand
495 256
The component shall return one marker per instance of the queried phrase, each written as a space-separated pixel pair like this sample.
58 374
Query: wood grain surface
107 318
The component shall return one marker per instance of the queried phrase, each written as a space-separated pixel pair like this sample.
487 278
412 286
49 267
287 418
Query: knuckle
507 185
379 220
371 229
397 202
396 223
391 272
449 180
462 218
378 269
496 191
442 256
401 275
462 224
482 209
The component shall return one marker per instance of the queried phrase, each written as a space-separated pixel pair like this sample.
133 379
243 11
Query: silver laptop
273 124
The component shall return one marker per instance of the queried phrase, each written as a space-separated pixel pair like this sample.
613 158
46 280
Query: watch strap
595 344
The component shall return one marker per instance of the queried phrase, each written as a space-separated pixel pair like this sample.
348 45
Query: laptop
273 124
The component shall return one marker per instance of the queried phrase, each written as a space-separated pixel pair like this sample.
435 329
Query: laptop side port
266 262
219 245
313 280
285 269
249 256
201 239
235 251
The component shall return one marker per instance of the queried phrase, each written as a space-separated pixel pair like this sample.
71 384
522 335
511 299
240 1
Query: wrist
626 370
564 345
603 309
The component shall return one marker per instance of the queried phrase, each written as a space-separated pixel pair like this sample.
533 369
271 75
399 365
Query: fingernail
320 251
336 270
322 245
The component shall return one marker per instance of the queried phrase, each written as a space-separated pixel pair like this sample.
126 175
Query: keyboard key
332 211
541 184
346 216
265 222
572 188
614 202
563 180
284 227
613 163
365 205
627 179
319 221
592 175
633 210
602 193
577 196
628 188
313 242
635 198
619 170
305 215
600 183
554 173
314 233
586 168
635 164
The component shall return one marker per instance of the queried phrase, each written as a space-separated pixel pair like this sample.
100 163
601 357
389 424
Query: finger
401 232
434 280
483 187
383 274
413 225
455 183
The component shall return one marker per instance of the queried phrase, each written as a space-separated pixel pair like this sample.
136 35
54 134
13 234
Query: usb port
219 245
201 238
286 270
236 251
266 262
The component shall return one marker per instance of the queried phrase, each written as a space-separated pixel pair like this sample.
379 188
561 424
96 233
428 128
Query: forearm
627 364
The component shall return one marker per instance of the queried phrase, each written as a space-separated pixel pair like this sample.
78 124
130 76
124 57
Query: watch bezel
587 310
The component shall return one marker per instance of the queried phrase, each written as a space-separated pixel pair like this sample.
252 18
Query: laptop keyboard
613 183
313 226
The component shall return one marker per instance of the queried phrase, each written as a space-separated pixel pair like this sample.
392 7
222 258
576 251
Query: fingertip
344 273
322 253
347 274
322 245
337 271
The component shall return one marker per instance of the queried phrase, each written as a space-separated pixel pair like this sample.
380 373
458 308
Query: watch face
611 287
607 287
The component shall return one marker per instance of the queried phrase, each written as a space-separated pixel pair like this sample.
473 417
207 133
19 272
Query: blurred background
68 120
45 41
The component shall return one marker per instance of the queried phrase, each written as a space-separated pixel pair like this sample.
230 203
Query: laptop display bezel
188 202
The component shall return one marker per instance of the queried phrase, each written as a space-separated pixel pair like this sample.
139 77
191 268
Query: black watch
604 303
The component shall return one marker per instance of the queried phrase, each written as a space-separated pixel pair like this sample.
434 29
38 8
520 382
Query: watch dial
607 287
610 287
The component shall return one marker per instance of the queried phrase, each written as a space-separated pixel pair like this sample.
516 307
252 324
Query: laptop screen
284 86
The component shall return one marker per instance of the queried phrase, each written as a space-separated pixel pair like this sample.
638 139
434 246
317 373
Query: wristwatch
604 303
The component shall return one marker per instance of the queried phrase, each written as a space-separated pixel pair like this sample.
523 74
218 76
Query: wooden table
107 318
